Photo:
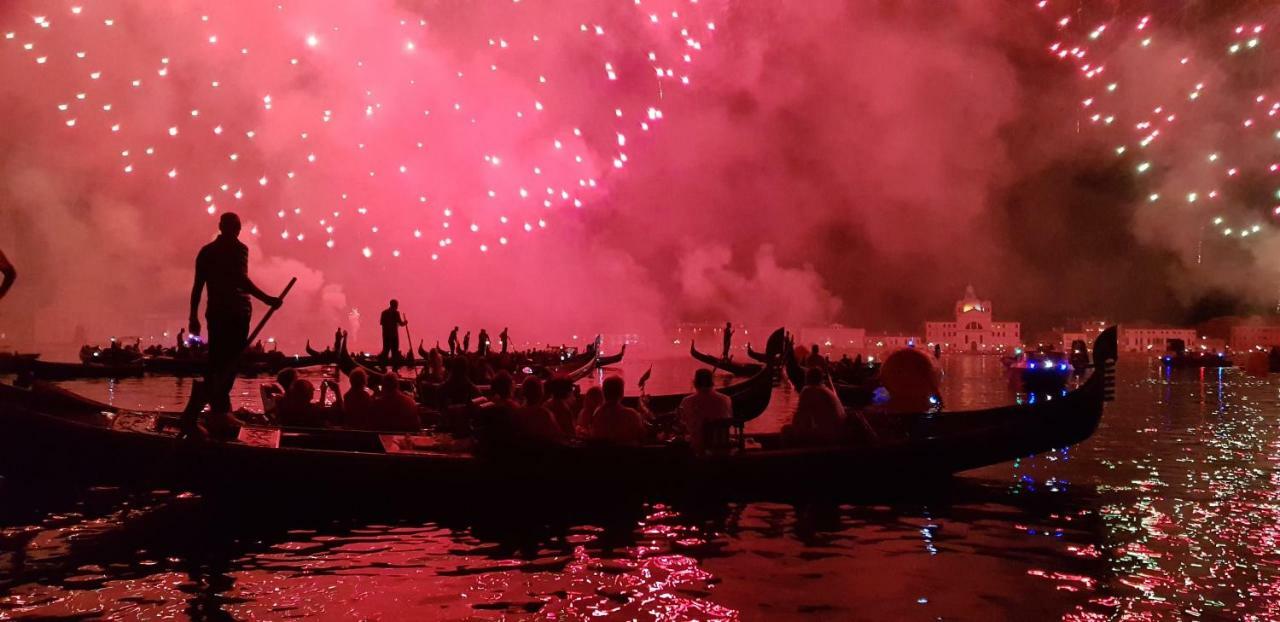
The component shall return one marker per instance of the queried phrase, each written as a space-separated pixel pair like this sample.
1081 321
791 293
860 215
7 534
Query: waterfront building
973 329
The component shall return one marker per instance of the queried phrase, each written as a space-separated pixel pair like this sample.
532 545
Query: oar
198 399
407 335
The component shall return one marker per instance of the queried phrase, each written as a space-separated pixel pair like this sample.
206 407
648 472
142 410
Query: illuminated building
973 330
1153 338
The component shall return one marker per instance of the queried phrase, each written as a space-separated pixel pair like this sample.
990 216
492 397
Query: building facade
973 330
1153 338
880 346
1246 337
835 338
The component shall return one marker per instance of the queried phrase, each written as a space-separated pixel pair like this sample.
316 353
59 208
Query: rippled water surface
1170 512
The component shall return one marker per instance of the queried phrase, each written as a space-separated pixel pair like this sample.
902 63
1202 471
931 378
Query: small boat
759 357
45 370
851 395
729 365
55 435
1040 372
612 359
1195 360
14 362
94 355
316 357
750 396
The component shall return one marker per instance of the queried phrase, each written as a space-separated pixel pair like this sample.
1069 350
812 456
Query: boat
759 357
750 396
45 370
729 365
851 395
1195 360
56 435
14 362
1040 372
316 357
612 359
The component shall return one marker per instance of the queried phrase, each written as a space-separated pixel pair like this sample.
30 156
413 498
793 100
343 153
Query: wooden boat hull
733 367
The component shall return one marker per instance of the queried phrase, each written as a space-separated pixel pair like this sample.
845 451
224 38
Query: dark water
1169 513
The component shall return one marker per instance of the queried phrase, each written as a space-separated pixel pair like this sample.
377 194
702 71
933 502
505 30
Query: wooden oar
199 399
407 336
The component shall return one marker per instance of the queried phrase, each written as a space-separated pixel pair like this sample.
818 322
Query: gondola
45 370
735 368
316 357
612 359
759 357
40 434
750 396
851 395
14 362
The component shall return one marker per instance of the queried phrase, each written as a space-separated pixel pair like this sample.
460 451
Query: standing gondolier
453 341
8 273
223 266
504 339
391 321
728 340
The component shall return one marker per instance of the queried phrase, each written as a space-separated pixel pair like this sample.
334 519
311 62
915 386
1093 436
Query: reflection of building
1153 338
835 337
1254 335
973 329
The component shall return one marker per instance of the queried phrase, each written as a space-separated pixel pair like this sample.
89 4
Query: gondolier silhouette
453 341
391 322
728 340
223 267
504 339
8 273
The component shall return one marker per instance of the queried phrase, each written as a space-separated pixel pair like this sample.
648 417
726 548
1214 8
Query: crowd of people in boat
540 412
469 397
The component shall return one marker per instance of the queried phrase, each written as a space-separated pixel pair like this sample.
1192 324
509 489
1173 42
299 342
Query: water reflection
1169 512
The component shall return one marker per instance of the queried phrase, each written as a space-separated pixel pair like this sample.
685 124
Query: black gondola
40 434
729 365
46 370
612 359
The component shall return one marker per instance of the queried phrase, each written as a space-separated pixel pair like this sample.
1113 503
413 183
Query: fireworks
1190 106
355 126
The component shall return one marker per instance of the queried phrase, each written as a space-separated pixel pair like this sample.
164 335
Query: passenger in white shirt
705 406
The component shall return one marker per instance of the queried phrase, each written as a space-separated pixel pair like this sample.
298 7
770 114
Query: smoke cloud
571 166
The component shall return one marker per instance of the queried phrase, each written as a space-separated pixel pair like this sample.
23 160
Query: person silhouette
391 322
728 340
222 266
453 341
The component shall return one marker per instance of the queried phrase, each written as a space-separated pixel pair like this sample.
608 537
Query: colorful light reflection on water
1169 512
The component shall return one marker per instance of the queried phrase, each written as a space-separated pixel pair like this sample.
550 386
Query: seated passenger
357 404
591 401
615 423
272 393
458 390
705 406
296 409
533 423
911 380
562 404
393 409
819 417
